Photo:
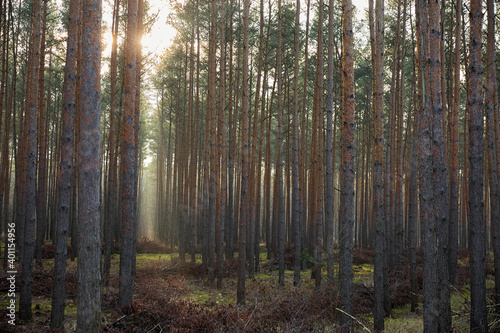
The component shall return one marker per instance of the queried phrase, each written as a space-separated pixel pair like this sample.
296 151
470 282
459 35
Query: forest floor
173 296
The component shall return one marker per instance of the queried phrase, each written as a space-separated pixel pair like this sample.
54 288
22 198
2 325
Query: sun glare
155 41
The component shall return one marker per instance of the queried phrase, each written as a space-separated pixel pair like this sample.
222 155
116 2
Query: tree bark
377 46
454 146
491 107
64 181
240 294
440 173
279 157
348 167
477 228
211 110
222 149
89 243
295 167
41 196
29 186
329 204
128 161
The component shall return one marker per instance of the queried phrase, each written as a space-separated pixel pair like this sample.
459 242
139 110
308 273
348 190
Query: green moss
407 324
363 274
211 297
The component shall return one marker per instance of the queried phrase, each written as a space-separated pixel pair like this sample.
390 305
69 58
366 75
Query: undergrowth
175 296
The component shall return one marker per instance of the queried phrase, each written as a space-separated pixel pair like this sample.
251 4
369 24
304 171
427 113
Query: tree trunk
295 167
64 181
491 107
222 149
454 146
477 228
211 105
128 161
41 196
279 157
30 123
329 204
89 243
348 167
377 47
440 173
240 294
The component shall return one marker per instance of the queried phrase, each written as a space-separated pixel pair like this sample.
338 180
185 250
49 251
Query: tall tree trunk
64 181
400 155
137 113
211 109
440 173
303 141
191 183
491 107
279 157
348 167
257 153
477 228
454 145
413 188
230 151
30 123
427 216
295 167
329 204
128 161
5 173
222 148
41 196
89 243
240 294
377 47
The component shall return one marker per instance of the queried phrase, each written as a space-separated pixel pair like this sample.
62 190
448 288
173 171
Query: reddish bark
64 181
348 156
240 294
128 160
89 242
477 228
29 172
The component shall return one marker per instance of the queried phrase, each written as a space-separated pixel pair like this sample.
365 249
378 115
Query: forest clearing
173 296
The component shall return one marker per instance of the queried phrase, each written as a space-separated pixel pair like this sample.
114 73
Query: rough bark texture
491 107
211 110
329 204
64 181
41 196
230 151
279 158
316 179
348 167
30 123
240 294
413 188
89 243
454 138
477 228
377 46
128 161
222 150
440 173
295 164
426 193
